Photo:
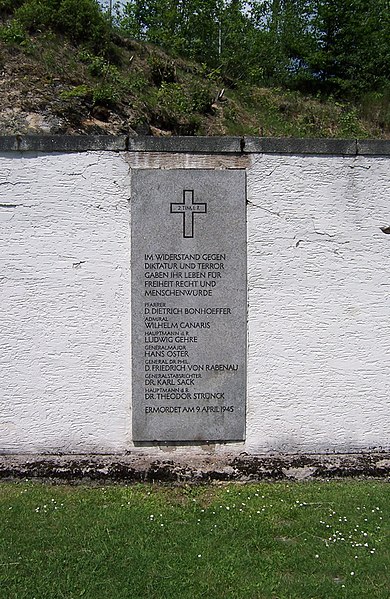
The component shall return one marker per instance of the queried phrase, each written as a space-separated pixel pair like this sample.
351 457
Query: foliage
105 94
171 97
353 45
35 16
376 106
265 54
13 33
135 83
81 20
201 98
331 46
79 91
9 6
99 66
183 100
339 47
161 69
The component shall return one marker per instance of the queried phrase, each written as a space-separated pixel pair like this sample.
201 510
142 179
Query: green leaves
81 20
332 46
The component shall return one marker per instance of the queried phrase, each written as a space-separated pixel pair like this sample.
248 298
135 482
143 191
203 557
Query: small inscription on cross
188 208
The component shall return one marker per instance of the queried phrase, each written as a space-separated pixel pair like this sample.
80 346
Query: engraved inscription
189 308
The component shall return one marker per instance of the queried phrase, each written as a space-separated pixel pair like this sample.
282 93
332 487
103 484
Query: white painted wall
64 264
319 327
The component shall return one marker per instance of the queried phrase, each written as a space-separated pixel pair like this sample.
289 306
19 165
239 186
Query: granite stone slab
193 144
189 305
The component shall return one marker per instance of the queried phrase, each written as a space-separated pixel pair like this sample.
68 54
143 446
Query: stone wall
318 222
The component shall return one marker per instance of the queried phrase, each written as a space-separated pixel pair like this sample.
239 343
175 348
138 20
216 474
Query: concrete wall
319 327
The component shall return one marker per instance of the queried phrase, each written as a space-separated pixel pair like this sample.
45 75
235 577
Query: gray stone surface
196 145
269 145
189 305
378 147
69 143
9 143
63 143
203 145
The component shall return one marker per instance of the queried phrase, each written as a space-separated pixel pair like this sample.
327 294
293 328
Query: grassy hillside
52 82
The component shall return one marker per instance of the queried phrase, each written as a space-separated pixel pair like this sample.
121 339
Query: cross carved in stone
188 208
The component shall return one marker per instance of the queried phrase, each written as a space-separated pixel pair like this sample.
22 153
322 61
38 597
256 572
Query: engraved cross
188 208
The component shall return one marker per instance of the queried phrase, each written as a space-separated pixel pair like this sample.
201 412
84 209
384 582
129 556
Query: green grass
264 541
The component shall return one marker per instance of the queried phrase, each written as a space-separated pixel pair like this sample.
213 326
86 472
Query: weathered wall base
198 470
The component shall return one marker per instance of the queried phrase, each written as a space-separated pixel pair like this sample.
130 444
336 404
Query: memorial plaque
189 305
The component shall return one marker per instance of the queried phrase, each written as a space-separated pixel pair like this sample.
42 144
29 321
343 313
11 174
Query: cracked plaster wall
64 287
319 327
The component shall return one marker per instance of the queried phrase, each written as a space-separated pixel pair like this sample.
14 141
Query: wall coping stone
62 143
187 145
378 147
265 145
194 145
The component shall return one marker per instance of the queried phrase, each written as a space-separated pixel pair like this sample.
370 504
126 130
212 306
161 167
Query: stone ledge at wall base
194 145
238 468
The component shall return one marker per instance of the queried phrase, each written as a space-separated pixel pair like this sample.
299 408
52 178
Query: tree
187 27
352 45
334 46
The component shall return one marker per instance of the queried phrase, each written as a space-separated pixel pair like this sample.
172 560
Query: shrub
97 65
104 94
175 110
81 20
135 83
171 97
13 33
161 70
35 16
79 91
376 106
8 7
201 99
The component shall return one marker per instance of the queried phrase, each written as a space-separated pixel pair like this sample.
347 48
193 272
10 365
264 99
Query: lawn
265 541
